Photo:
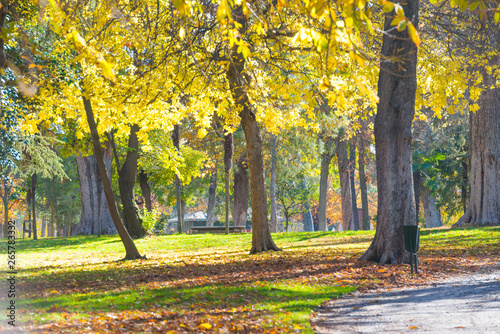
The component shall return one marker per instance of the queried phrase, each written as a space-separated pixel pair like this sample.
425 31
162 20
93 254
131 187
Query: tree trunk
94 206
261 235
146 189
362 181
396 89
128 243
228 164
345 186
241 191
34 178
326 158
484 195
212 194
52 217
126 183
44 226
272 189
465 185
178 184
352 174
68 232
29 198
306 214
431 211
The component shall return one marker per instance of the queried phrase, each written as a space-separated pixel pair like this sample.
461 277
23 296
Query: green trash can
412 241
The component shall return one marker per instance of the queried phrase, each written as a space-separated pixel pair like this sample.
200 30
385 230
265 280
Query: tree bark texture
241 192
178 184
484 177
272 188
396 89
261 235
130 248
228 164
126 183
431 211
345 185
212 197
94 206
363 189
146 189
326 158
352 178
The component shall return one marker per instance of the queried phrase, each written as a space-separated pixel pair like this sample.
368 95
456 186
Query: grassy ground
194 283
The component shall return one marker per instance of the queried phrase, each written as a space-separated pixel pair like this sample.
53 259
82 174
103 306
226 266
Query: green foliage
440 153
149 219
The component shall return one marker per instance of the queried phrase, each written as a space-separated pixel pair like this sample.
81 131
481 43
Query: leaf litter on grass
180 289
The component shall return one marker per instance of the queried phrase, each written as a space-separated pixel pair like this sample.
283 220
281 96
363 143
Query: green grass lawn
193 283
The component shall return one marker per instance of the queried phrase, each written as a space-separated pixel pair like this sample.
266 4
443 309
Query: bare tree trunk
69 223
128 243
241 190
272 188
33 204
484 196
345 186
465 185
228 164
146 189
431 211
94 206
306 214
396 89
44 226
352 170
212 194
326 158
126 183
178 184
261 234
362 180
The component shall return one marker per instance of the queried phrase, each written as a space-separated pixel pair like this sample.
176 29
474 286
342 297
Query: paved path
468 304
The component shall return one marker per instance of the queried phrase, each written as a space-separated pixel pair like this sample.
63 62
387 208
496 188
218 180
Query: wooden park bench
217 229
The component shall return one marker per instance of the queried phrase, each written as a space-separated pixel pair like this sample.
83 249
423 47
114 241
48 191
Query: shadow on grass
282 299
73 241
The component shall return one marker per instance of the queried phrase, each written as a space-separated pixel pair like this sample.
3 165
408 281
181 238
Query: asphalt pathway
469 304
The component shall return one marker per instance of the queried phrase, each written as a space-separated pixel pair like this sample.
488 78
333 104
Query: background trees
145 71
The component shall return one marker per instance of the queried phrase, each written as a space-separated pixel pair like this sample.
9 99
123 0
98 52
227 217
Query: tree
212 193
352 174
126 182
431 211
396 89
241 191
484 196
261 235
130 248
326 158
363 178
345 185
272 187
95 217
